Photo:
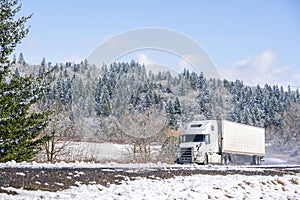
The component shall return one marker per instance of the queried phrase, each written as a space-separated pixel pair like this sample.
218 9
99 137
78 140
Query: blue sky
256 41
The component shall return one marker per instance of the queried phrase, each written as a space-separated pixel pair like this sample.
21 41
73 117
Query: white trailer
221 141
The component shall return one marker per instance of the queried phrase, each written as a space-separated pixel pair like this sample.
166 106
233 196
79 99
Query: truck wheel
225 159
205 160
228 160
253 160
256 160
222 160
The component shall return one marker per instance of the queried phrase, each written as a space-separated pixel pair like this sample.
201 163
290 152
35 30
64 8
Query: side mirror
207 139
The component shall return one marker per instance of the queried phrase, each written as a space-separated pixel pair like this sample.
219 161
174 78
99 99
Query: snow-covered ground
235 186
268 163
97 152
191 187
122 153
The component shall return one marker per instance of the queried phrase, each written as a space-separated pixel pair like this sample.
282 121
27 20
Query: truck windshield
196 125
193 138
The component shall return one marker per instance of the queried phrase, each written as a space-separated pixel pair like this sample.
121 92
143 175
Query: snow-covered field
235 186
97 152
191 187
122 153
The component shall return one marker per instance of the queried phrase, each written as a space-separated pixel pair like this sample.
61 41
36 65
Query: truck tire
256 160
205 160
225 159
253 160
228 160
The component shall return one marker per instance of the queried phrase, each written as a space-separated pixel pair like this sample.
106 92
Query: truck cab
199 143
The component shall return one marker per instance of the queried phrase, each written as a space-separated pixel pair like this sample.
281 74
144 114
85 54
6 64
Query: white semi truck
222 142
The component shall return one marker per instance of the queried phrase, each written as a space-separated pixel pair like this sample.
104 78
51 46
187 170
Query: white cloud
144 59
260 69
265 60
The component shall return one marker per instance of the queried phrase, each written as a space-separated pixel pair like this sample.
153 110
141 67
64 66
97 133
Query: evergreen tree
21 60
204 100
172 122
14 59
17 73
42 68
201 81
182 87
177 109
19 125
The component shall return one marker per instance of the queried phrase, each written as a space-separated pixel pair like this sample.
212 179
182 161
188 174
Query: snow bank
192 187
82 164
146 166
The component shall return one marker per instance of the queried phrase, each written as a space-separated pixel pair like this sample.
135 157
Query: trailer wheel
225 159
228 160
256 160
253 160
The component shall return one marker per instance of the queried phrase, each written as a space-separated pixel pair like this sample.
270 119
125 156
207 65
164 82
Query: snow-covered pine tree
172 122
201 83
177 109
20 125
21 60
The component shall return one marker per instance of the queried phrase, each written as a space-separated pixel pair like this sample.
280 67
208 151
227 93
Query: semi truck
221 142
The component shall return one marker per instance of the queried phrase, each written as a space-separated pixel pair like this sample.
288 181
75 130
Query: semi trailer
221 142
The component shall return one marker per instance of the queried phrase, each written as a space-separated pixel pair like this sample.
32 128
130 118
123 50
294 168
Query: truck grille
186 154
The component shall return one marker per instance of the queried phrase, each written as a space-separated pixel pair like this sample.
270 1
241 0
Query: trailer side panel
242 139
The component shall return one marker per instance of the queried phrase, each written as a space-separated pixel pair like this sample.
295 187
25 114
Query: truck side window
212 128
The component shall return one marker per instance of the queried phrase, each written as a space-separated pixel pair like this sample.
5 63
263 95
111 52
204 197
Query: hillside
110 104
